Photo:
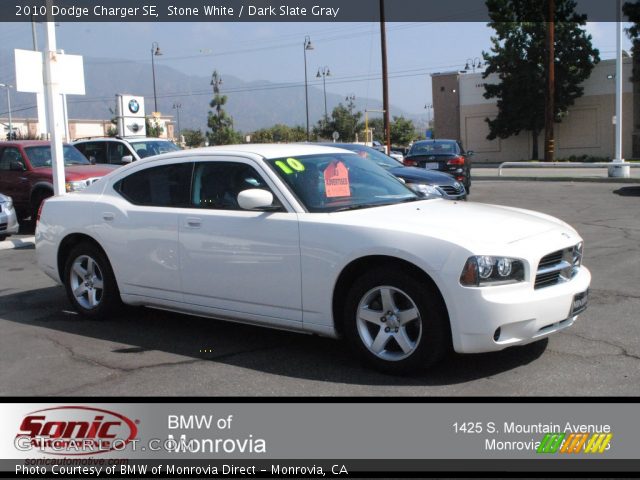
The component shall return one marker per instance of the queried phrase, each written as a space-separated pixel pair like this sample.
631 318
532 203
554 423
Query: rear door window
162 186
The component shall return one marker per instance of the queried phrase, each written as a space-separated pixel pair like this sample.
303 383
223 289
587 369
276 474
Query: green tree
632 11
220 122
403 131
279 133
343 120
518 57
154 129
193 138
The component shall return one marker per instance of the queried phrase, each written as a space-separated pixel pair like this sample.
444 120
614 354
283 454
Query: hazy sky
273 52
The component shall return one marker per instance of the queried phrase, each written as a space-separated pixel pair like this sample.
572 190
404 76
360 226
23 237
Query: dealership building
30 128
588 127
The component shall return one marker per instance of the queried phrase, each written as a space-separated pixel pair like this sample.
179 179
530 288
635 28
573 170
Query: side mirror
127 159
255 199
16 166
92 160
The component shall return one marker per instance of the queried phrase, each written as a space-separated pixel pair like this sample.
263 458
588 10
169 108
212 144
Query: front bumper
522 314
9 223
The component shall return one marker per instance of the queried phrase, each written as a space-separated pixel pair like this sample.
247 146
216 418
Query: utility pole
385 79
549 140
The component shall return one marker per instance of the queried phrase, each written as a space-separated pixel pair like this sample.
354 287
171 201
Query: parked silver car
8 218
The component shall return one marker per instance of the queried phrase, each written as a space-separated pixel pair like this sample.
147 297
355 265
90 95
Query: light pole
177 107
155 51
351 104
7 86
473 64
428 108
324 73
307 46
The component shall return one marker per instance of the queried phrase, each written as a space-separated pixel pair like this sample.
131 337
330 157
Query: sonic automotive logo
74 430
134 106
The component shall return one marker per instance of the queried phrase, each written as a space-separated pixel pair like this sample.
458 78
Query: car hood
463 222
81 172
421 175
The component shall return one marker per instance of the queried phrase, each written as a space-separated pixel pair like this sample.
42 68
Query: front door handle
108 216
194 222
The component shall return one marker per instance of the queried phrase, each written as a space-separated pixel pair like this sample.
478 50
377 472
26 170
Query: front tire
90 283
395 321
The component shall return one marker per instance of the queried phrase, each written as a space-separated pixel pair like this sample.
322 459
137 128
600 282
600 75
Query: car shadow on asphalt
140 330
628 192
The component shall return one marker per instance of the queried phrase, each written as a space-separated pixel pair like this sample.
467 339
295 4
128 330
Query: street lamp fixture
307 46
177 107
155 51
475 63
324 72
7 86
428 107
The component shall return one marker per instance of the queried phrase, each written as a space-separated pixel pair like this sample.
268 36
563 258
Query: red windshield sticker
336 180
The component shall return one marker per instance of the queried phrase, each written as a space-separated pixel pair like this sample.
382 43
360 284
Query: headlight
424 189
75 186
483 270
9 203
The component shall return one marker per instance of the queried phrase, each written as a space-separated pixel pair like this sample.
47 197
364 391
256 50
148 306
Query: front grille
559 266
450 189
551 259
3 226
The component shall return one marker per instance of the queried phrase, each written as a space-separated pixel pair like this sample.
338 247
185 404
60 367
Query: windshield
383 160
335 182
434 148
41 156
153 147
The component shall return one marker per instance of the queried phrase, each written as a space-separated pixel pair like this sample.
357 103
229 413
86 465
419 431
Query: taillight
39 211
456 161
410 163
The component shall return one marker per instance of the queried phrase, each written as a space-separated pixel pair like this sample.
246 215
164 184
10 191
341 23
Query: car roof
116 139
266 150
434 140
25 143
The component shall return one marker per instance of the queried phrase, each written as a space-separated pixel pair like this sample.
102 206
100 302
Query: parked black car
444 155
424 182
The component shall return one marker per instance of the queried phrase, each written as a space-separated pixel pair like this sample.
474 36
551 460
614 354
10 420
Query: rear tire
90 283
395 321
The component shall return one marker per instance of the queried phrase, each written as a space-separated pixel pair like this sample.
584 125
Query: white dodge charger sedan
314 239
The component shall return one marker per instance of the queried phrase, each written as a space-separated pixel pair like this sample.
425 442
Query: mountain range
252 104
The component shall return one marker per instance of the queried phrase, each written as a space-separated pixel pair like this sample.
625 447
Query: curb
18 243
557 179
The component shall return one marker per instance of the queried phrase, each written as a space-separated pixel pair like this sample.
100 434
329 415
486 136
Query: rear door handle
194 222
108 217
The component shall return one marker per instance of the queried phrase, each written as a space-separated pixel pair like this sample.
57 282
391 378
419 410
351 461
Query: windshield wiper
360 206
369 205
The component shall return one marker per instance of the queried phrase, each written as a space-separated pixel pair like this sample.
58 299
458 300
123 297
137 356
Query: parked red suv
26 174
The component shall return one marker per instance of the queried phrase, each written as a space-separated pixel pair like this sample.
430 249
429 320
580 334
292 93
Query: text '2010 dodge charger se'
313 239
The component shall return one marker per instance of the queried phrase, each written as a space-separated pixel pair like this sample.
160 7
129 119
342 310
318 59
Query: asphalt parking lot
45 349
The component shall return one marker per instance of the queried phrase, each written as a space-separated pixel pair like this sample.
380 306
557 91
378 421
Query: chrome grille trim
558 267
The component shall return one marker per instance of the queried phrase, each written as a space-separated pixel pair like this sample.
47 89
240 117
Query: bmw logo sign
134 106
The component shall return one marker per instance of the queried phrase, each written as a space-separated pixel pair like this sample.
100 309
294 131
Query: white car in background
312 239
8 218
